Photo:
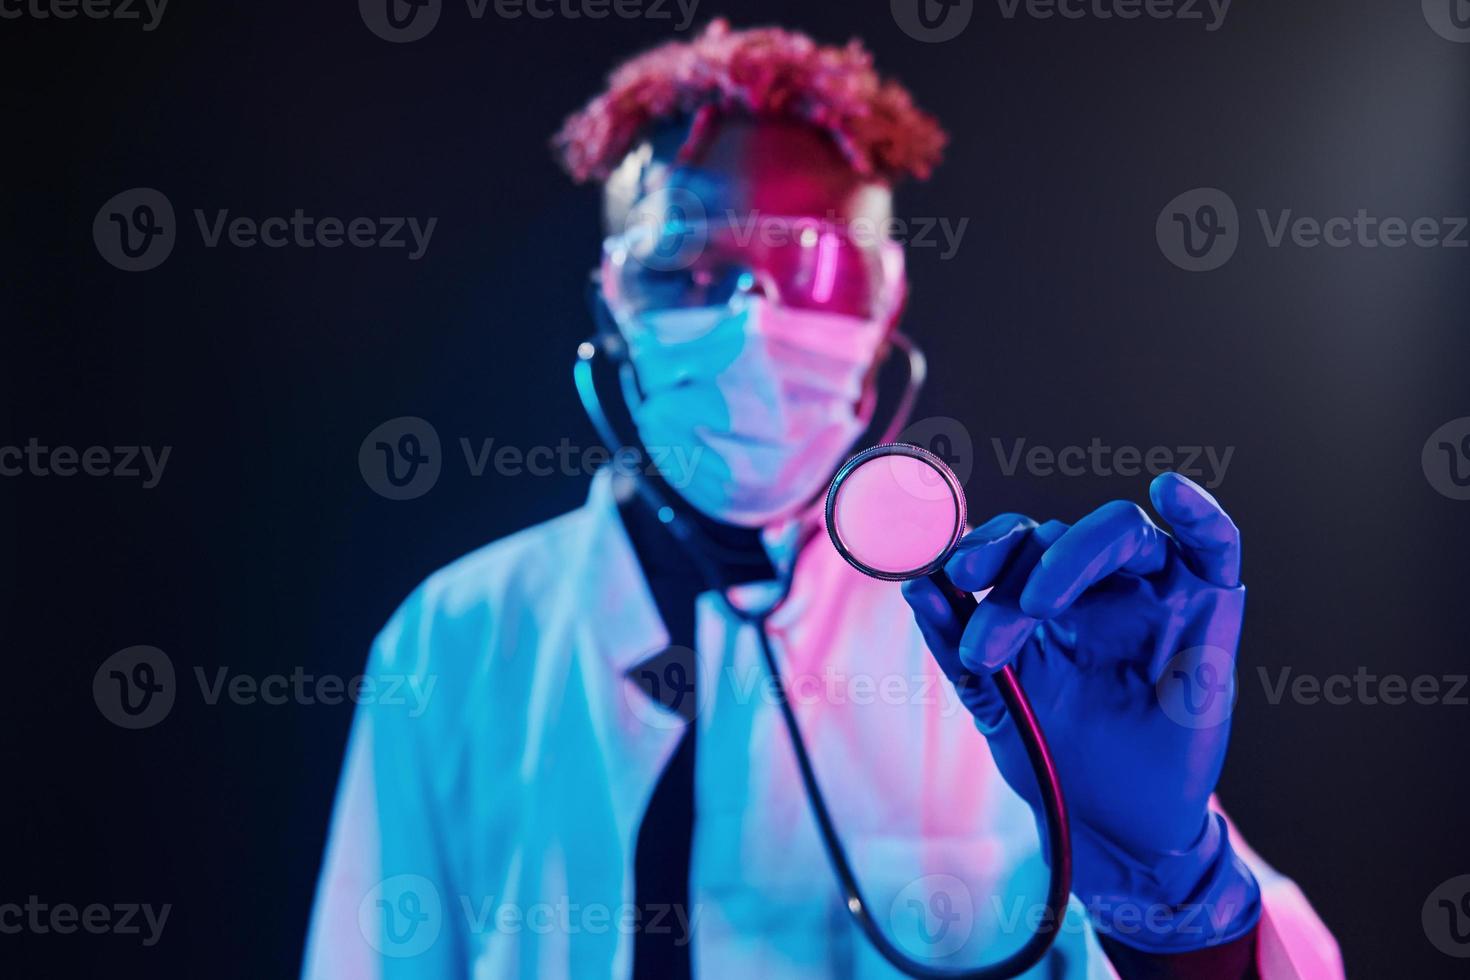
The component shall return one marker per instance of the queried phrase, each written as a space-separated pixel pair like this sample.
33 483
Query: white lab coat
489 831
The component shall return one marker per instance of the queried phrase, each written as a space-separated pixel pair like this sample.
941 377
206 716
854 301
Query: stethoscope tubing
1058 831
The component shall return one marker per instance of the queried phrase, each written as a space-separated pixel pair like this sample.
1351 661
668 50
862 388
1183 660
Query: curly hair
760 72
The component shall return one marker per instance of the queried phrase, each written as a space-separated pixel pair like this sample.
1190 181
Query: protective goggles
798 262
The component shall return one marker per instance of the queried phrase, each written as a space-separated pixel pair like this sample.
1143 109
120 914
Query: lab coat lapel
618 628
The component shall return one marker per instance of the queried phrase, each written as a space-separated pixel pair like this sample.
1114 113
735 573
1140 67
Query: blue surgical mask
758 403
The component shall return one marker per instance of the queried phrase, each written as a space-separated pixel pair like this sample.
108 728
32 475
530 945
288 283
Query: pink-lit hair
761 72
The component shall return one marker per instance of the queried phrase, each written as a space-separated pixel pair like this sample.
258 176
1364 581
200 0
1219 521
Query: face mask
748 411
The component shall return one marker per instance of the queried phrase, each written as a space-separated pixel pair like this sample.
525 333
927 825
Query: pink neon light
894 514
826 267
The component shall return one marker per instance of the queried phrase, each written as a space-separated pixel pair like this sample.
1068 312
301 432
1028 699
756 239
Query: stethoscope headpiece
895 512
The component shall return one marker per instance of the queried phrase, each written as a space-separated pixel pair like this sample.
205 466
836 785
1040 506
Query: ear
900 306
895 271
608 335
606 281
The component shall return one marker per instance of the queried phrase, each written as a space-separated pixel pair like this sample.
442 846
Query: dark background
263 549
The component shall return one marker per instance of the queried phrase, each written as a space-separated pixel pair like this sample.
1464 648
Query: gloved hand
1124 638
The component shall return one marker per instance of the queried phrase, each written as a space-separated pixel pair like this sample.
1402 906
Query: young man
561 808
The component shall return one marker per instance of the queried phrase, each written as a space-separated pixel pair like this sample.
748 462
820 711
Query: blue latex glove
1124 638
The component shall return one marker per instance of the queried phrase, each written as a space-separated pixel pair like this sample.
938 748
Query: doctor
601 785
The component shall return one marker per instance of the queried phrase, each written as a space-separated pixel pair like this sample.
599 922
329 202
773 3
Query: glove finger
933 613
1118 536
1208 539
941 631
998 630
994 636
982 555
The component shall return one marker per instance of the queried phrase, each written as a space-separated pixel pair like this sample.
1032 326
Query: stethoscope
894 512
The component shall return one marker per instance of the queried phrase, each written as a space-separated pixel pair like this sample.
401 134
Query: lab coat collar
607 578
609 581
